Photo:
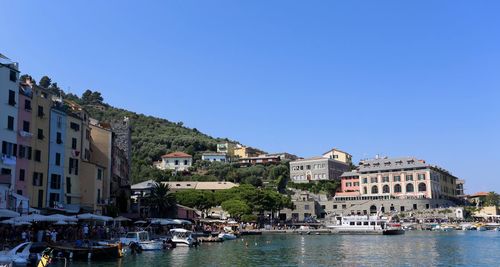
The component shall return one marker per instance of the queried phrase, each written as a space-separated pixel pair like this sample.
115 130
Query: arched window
374 189
397 188
409 188
422 187
373 209
385 189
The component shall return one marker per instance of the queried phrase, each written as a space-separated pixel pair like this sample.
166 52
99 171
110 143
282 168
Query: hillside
151 136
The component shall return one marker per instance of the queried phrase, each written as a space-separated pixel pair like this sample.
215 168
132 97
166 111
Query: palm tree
161 202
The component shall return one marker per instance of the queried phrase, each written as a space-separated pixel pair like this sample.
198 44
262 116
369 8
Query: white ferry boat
364 224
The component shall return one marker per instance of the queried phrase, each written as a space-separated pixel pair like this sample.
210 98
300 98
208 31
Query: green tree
45 82
491 199
201 200
161 202
236 208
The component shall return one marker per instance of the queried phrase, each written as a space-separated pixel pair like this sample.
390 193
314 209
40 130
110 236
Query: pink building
349 184
24 135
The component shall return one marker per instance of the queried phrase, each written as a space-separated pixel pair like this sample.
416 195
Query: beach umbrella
60 217
5 213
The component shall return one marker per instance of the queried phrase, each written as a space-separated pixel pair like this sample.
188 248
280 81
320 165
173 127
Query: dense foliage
238 201
328 187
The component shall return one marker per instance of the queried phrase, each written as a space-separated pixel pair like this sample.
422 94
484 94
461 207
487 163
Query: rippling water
412 249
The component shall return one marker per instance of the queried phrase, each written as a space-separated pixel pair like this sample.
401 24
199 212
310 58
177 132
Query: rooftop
385 164
348 174
176 154
311 159
338 150
479 194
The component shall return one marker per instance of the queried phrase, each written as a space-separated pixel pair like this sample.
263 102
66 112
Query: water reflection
412 249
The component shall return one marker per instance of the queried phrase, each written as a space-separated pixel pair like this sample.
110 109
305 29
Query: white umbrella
163 221
179 221
121 219
35 218
9 221
61 223
60 217
93 217
21 223
5 213
140 222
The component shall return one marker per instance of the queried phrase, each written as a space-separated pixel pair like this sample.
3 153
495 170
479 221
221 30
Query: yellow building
91 186
247 152
40 124
95 179
338 155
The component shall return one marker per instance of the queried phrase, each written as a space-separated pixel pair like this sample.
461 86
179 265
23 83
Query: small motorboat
142 239
227 236
447 228
182 237
19 255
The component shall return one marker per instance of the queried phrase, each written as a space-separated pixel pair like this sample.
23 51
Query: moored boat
182 237
364 224
227 236
18 255
143 240
88 251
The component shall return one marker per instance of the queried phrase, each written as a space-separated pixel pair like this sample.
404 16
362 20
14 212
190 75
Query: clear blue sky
395 78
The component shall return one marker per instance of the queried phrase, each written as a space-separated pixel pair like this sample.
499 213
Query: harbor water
415 248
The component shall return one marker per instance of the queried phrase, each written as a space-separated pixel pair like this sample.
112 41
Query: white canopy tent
93 217
5 213
169 221
121 219
60 217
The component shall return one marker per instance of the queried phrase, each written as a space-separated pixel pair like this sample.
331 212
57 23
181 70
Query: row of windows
395 178
349 184
309 167
308 177
177 162
422 187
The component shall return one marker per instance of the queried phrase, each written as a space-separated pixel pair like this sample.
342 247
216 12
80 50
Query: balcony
25 134
8 160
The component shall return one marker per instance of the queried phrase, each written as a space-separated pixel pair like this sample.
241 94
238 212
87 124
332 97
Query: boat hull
85 253
393 232
151 245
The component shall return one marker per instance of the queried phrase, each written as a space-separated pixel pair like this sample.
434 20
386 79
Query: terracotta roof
177 155
480 194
